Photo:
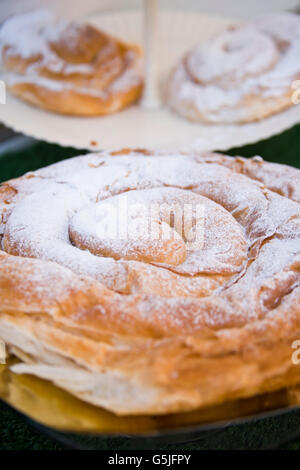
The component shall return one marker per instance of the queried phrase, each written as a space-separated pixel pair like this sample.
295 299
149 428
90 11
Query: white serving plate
135 126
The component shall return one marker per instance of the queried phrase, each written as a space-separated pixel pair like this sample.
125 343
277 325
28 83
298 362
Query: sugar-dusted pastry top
248 234
96 269
68 67
244 74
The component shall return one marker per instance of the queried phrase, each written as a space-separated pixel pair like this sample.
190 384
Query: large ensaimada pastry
244 74
151 283
69 68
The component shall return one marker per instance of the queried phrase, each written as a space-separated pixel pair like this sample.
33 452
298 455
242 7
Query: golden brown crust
150 351
73 102
203 368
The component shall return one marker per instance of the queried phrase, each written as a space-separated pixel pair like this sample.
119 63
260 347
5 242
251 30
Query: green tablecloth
15 433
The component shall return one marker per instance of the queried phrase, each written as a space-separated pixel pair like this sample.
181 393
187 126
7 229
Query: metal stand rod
151 98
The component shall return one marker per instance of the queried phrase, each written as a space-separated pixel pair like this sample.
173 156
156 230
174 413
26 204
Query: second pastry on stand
242 75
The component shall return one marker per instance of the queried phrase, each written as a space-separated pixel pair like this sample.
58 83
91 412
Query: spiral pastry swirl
204 311
70 68
244 74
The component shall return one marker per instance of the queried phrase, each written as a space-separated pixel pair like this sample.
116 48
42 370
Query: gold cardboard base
48 405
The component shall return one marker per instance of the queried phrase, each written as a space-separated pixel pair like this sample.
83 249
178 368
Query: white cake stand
149 123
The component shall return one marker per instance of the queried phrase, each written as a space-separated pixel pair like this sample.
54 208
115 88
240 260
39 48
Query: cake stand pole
151 99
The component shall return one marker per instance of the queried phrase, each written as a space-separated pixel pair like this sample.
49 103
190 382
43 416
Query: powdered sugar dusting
251 239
